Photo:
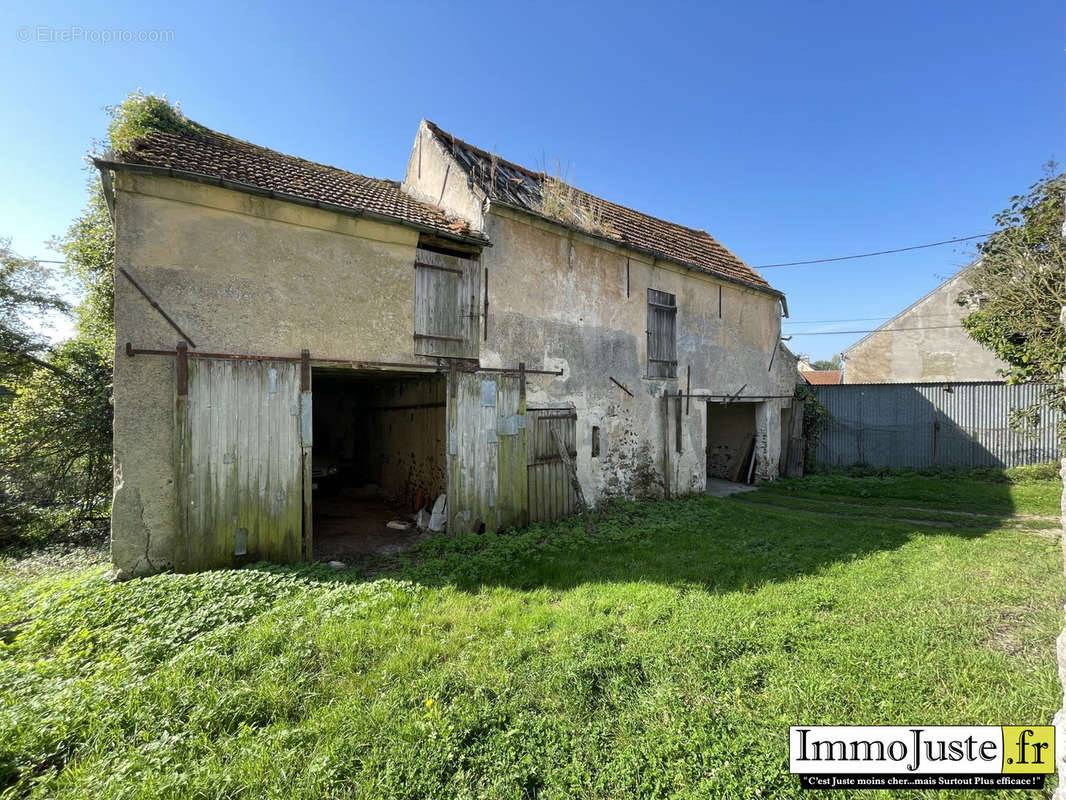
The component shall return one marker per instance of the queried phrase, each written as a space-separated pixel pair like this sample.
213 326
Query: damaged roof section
544 195
244 166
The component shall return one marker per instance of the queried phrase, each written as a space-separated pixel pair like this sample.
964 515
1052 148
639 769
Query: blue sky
788 130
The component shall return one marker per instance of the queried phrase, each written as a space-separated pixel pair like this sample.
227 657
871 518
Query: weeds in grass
656 649
1032 473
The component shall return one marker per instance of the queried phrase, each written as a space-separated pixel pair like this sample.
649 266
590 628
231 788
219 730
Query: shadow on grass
722 545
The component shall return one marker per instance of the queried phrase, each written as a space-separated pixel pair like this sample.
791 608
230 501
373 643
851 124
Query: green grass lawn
652 650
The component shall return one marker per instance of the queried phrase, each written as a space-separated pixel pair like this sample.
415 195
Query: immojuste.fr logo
937 756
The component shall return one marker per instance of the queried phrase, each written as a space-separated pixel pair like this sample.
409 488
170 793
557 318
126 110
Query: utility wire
878 253
823 321
872 330
854 319
792 263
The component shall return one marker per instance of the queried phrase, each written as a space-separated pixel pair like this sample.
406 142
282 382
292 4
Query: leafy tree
89 247
833 363
26 295
55 439
55 432
1019 289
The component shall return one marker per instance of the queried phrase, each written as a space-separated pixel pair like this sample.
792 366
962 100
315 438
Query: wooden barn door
486 452
551 492
240 463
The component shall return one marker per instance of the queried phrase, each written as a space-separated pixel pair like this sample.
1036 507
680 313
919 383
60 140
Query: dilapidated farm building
301 349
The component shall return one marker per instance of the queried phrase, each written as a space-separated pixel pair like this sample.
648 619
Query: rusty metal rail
132 351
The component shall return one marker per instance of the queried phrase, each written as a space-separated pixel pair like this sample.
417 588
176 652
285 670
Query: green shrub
1030 473
141 113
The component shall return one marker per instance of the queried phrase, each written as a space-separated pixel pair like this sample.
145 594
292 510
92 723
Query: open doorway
731 442
379 456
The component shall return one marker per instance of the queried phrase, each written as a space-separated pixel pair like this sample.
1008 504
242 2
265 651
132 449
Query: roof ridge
213 155
207 133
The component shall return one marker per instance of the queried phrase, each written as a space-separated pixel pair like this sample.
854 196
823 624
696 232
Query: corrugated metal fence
926 425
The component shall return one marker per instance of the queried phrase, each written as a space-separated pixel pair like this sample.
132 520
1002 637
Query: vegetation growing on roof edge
560 201
140 113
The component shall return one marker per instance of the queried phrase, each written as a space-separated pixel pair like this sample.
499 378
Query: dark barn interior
378 457
730 441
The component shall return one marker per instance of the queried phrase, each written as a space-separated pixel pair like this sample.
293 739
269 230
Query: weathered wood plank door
486 452
446 305
551 494
240 464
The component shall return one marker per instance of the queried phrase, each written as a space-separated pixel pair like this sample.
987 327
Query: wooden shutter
662 334
446 305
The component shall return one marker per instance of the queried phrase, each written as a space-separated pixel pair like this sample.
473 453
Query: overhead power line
853 319
877 253
824 321
872 330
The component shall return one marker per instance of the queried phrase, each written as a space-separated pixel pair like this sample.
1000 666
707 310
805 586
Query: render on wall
243 275
924 343
579 303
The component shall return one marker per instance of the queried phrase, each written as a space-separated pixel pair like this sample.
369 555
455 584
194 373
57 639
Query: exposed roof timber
512 185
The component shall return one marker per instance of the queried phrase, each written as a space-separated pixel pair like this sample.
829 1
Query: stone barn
307 357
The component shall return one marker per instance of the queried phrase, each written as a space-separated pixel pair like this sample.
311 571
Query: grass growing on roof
661 649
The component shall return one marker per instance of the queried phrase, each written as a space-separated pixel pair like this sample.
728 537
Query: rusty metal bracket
157 307
182 364
520 369
730 398
736 394
621 386
677 423
305 370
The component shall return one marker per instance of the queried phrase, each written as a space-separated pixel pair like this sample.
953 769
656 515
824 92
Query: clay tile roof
215 155
523 188
823 377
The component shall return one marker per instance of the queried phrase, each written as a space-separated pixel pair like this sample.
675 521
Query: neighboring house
480 331
822 377
817 377
924 343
